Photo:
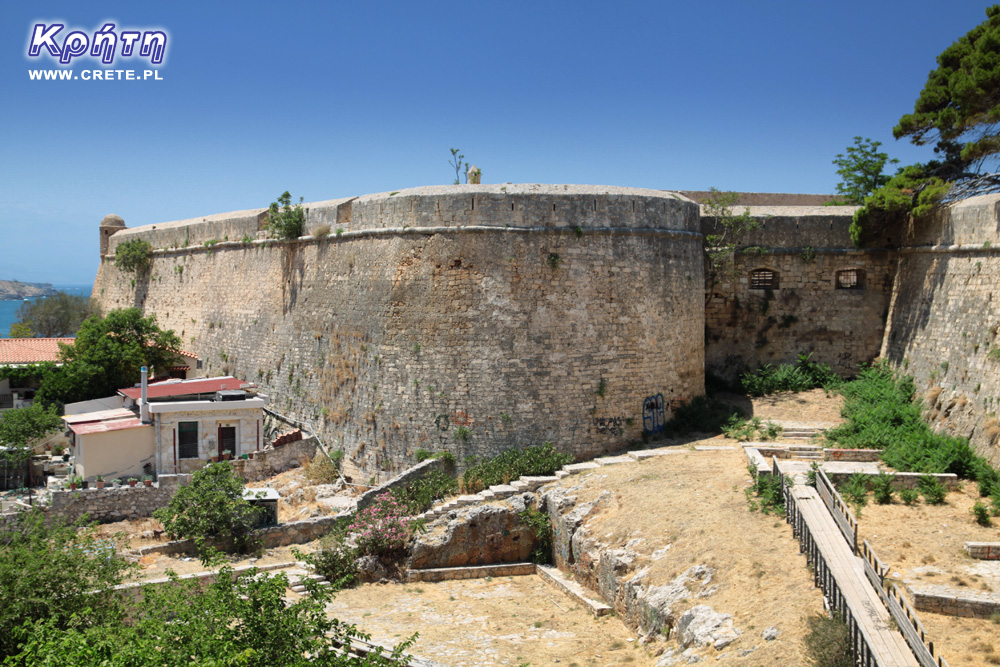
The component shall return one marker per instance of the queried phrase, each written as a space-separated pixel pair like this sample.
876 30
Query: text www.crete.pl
95 75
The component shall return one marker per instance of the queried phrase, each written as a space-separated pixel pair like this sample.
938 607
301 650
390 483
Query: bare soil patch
495 621
690 508
923 545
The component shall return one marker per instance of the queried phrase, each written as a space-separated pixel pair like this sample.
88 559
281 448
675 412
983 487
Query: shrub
133 256
285 220
882 488
828 642
540 459
881 414
931 489
335 560
419 495
909 496
764 493
803 375
324 469
212 508
542 527
855 490
982 514
750 429
381 529
322 231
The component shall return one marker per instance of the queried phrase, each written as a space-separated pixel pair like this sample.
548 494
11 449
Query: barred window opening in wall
851 279
763 279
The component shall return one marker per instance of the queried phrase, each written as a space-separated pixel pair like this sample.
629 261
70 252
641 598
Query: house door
227 440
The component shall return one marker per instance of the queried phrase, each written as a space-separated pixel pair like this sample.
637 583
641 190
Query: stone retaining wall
473 572
857 455
401 480
945 600
983 550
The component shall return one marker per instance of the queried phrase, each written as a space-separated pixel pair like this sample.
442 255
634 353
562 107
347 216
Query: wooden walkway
841 575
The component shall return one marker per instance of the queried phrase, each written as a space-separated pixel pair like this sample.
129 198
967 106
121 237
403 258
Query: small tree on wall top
285 220
730 230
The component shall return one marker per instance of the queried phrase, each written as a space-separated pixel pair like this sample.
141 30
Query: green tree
234 621
21 330
285 220
58 315
959 107
107 355
457 164
959 111
57 574
22 427
728 233
133 256
860 170
211 509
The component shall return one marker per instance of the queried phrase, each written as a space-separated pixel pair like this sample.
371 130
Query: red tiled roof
105 426
185 387
30 350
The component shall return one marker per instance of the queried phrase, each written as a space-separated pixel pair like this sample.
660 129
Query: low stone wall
400 480
983 550
114 504
859 455
945 600
904 480
473 572
135 589
270 462
282 535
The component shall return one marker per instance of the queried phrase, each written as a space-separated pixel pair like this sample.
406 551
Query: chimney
143 400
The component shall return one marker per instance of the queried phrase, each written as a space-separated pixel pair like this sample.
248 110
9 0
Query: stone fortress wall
463 318
944 319
817 305
481 317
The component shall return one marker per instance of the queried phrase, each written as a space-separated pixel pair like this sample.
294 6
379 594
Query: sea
8 309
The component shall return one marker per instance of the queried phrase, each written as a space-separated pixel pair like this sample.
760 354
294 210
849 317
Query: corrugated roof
106 426
100 415
167 388
30 350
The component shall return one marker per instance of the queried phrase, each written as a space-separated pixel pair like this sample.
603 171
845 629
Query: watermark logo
107 45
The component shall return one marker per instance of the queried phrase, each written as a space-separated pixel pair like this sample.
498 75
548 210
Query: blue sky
331 99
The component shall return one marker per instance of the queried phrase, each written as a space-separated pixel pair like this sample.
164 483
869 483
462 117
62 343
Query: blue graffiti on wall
653 420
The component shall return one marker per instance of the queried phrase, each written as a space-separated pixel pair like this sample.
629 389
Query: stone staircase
299 573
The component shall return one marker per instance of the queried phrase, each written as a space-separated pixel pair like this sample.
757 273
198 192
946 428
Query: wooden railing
823 578
841 514
900 610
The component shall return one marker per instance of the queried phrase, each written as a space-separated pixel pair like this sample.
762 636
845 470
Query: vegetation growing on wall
285 220
730 230
133 256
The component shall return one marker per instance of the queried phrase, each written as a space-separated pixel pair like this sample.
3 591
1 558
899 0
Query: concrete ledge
471 572
572 589
983 550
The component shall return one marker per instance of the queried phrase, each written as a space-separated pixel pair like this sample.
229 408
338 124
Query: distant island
11 290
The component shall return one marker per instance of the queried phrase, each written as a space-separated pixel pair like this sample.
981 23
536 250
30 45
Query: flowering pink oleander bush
381 529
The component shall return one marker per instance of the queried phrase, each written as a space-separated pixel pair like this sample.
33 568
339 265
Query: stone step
572 589
501 491
575 468
612 460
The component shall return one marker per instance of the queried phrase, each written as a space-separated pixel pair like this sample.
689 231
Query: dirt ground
690 508
923 545
687 508
496 621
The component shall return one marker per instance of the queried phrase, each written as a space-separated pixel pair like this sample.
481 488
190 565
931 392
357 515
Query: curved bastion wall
470 318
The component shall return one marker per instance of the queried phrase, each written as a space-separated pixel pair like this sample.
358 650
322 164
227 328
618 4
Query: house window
187 440
763 279
851 279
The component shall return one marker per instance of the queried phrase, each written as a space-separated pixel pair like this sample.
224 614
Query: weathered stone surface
479 535
484 292
370 569
703 626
